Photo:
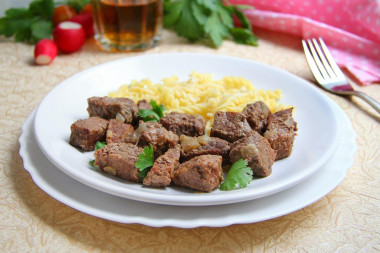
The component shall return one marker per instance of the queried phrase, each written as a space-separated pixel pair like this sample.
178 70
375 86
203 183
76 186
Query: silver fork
328 74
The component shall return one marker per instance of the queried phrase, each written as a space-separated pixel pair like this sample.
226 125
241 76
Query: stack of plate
323 149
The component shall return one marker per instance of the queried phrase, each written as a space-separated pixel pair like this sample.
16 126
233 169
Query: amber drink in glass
127 25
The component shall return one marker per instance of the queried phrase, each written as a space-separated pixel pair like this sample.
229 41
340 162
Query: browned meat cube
256 150
143 104
203 145
154 133
86 132
110 108
257 115
119 132
183 123
230 126
281 131
119 159
160 173
202 173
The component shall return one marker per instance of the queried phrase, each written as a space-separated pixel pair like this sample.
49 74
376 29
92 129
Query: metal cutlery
328 74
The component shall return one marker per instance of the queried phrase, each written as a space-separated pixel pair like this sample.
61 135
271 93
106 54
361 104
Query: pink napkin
350 28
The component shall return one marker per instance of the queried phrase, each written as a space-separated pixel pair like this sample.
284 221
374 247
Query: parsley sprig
209 20
28 24
239 176
154 114
145 161
98 145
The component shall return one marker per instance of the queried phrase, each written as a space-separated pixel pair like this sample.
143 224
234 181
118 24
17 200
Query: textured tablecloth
346 220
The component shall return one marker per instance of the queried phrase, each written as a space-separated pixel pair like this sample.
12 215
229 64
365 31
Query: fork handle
372 102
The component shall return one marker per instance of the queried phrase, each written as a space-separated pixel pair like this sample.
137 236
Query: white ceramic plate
86 199
316 141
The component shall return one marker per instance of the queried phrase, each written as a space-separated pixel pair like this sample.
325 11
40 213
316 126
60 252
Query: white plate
110 207
316 141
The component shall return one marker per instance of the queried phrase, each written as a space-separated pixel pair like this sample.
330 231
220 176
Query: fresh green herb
145 161
153 114
244 34
28 24
239 176
98 145
208 20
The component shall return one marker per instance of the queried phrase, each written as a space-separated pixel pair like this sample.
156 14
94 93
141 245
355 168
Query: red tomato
62 13
86 9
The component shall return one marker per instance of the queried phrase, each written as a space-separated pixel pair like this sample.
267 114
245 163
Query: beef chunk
183 123
119 159
257 115
154 133
203 145
86 132
119 132
256 150
143 104
202 173
108 108
230 126
281 131
160 173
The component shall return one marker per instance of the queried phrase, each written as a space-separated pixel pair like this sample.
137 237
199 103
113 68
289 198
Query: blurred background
6 4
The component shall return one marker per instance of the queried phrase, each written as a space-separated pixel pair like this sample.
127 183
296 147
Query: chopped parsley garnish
145 161
154 114
239 176
98 145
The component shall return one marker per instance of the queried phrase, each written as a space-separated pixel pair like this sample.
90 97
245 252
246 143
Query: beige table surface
346 220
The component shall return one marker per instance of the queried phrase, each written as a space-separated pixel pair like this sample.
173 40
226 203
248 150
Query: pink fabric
350 28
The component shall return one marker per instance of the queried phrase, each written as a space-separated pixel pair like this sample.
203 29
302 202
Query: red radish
45 51
86 21
69 36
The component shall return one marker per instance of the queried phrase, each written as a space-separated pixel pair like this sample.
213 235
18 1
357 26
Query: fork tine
323 58
331 60
313 67
318 61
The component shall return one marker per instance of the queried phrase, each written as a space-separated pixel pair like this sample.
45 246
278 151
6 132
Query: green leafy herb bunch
210 21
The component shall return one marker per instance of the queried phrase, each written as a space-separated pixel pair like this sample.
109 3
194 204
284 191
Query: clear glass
127 25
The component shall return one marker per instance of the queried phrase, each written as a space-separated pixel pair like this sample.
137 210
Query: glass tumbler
127 25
